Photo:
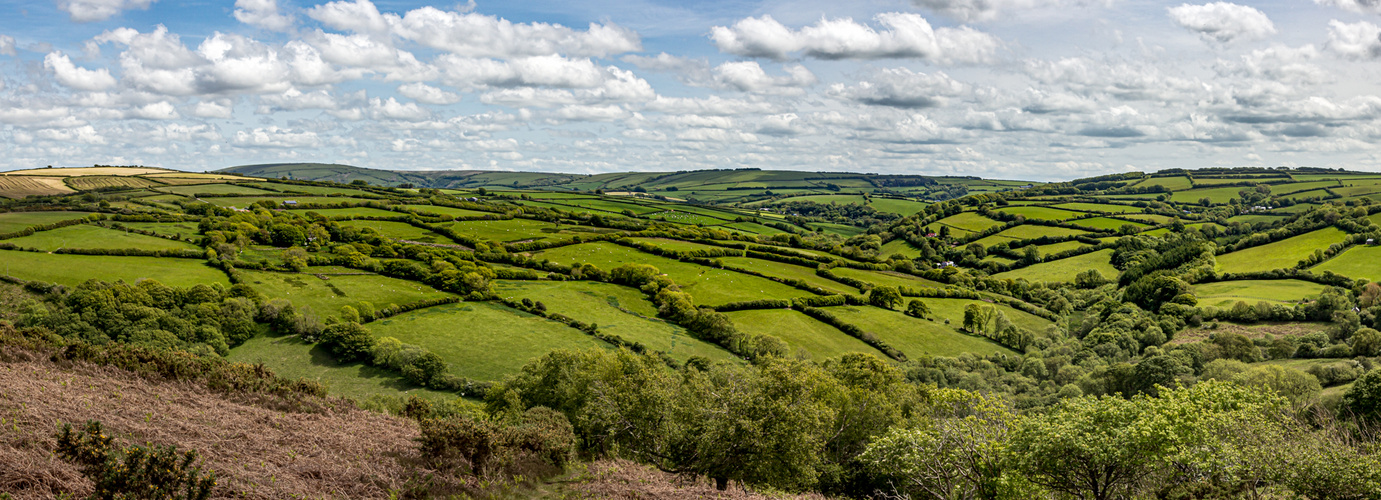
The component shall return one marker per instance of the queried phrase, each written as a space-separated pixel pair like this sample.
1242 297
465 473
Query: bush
541 438
349 341
134 472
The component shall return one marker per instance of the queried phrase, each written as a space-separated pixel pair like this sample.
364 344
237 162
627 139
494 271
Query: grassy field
348 212
1099 207
1228 293
1216 195
1059 247
892 205
453 212
222 189
803 333
15 221
965 223
481 340
953 310
1360 261
72 270
70 171
19 186
677 245
505 230
245 201
1040 213
899 246
1027 232
186 229
707 286
1106 223
844 230
1178 183
326 297
619 310
914 336
1064 270
89 236
1283 254
783 270
399 231
291 357
885 278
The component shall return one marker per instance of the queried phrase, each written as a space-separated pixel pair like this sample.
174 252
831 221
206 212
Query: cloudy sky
1028 89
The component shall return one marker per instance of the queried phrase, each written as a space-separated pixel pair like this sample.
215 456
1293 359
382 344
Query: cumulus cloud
1223 21
901 88
85 11
904 35
1358 6
7 46
748 76
984 10
275 137
1359 40
214 108
428 94
262 13
391 109
76 77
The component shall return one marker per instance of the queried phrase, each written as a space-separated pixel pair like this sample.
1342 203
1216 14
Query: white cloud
1359 40
987 10
428 94
712 105
76 77
275 137
1358 6
748 76
901 88
579 112
85 134
85 11
391 109
906 35
1223 21
215 108
263 14
529 97
360 16
7 46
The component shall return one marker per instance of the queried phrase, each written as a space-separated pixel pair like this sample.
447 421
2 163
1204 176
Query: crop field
218 189
87 236
965 223
800 332
87 183
505 230
914 336
1360 261
17 221
453 212
73 171
291 357
619 310
1228 293
399 231
19 186
1064 270
1283 254
885 278
73 270
327 296
784 270
707 286
1099 207
1040 213
1106 223
481 340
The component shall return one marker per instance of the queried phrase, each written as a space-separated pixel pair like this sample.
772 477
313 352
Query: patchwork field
327 296
1283 254
505 230
1228 293
1106 223
914 336
1064 270
86 183
707 286
1040 213
290 356
87 236
783 270
73 270
16 221
965 223
218 189
19 186
885 278
399 231
802 333
1360 261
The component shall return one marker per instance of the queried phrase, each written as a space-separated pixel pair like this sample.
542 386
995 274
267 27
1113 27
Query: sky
1016 89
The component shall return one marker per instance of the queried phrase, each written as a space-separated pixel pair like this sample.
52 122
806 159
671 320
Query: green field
400 231
1040 213
16 221
87 236
453 212
1178 183
844 230
1064 270
914 336
1099 207
512 230
965 223
1283 254
892 205
1216 195
618 310
885 278
217 189
899 246
1106 223
291 357
1228 293
481 340
326 296
349 212
1360 261
800 332
185 229
707 286
1055 248
72 270
783 270
1027 232
245 201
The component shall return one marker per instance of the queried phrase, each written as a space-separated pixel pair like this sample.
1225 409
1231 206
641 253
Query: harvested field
21 186
87 183
71 171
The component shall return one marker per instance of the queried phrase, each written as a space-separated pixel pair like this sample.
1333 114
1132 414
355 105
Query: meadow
1359 261
1064 270
1027 232
1228 293
73 270
506 230
88 236
1283 254
792 271
218 189
16 221
708 286
399 231
1040 213
453 212
885 278
291 357
481 340
327 296
803 334
965 223
1106 223
914 336
1099 207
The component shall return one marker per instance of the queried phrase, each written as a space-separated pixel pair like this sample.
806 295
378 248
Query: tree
977 317
886 297
1366 342
1294 385
349 340
917 308
958 452
295 258
1363 399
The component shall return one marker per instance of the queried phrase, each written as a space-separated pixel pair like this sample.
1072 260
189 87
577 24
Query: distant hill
453 179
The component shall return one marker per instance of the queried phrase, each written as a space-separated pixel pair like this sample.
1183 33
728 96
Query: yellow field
203 177
65 172
89 182
21 186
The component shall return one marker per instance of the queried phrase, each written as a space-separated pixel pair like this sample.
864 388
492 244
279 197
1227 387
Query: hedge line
854 331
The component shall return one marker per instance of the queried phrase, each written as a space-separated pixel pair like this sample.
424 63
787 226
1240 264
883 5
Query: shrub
540 438
136 471
349 341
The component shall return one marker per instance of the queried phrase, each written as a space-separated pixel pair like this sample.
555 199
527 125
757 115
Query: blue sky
1030 89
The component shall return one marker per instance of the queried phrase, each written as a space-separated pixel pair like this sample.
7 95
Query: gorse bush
538 440
135 472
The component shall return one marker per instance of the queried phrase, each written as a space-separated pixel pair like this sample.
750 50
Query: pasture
399 231
914 336
218 189
1283 254
1176 183
1228 293
784 270
453 212
505 230
844 230
885 278
348 212
1360 261
326 296
1039 213
1106 223
1027 232
1099 207
965 223
291 357
185 229
708 286
1064 270
1218 196
16 221
803 334
92 237
73 270
899 246
481 340
618 310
